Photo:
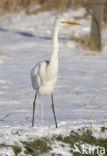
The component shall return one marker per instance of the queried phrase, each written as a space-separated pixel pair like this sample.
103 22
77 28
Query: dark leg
54 111
34 104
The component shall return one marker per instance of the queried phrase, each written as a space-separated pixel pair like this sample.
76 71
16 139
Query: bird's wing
42 70
38 74
35 77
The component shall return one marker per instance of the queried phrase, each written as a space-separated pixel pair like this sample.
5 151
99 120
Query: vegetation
103 129
37 146
16 5
17 149
81 137
41 146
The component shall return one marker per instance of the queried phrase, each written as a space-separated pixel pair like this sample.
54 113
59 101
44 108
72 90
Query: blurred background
10 6
96 9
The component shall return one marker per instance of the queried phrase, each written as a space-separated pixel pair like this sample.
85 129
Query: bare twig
4 117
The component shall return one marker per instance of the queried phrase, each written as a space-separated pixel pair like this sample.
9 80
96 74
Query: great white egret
44 74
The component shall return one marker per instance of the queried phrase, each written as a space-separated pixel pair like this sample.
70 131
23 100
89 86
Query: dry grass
13 5
60 5
83 42
3 54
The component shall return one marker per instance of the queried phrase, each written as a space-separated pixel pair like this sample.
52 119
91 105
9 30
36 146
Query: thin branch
4 117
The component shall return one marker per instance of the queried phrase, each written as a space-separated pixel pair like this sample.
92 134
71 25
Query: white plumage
43 78
44 74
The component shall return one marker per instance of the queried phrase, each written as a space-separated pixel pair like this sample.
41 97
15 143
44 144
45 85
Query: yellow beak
73 23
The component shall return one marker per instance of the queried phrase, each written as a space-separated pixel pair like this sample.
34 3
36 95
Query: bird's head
61 21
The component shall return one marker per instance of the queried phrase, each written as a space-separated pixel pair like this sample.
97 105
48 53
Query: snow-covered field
81 89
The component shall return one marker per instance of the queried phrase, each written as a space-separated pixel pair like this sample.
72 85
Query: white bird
44 74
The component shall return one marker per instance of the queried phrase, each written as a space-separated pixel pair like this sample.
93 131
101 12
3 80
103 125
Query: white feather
44 74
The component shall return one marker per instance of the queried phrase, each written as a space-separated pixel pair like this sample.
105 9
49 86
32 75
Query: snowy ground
81 89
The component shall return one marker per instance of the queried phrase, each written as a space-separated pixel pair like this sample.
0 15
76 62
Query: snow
57 149
81 89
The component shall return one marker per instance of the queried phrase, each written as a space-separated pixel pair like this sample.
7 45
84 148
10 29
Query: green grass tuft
17 149
37 147
103 129
44 145
82 136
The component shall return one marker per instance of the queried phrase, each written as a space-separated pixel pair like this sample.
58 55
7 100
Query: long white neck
55 39
55 51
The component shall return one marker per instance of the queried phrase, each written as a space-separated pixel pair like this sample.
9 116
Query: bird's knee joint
52 106
34 103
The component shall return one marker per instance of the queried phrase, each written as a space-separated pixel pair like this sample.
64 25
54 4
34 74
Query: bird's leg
34 104
54 111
